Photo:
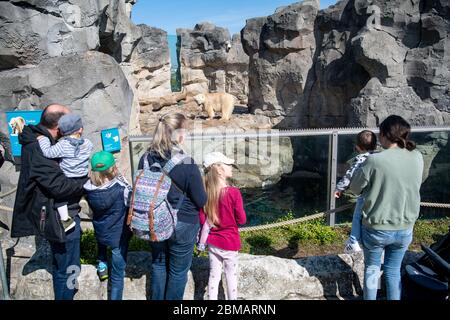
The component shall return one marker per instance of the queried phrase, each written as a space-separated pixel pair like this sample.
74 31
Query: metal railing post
332 168
3 275
130 150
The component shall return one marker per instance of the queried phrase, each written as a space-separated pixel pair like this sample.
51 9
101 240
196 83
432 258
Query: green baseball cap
102 161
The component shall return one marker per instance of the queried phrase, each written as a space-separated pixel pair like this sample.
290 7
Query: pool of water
304 191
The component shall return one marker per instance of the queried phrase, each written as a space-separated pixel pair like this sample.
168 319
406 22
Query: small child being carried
74 152
366 143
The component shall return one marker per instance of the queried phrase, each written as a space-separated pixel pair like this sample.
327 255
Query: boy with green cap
108 196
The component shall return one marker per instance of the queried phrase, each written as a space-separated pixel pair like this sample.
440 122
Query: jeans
355 234
66 264
118 264
171 261
395 244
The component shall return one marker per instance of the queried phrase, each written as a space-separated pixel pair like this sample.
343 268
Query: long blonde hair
214 192
99 178
164 139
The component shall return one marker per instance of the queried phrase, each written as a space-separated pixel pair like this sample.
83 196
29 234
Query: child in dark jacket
107 194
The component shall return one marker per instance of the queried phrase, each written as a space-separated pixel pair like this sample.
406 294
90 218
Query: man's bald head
51 115
57 108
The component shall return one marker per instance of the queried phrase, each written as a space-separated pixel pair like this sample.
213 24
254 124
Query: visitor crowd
175 206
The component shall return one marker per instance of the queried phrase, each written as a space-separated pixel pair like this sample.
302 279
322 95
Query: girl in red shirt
220 217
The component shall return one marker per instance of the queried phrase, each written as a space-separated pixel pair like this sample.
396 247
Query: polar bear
219 101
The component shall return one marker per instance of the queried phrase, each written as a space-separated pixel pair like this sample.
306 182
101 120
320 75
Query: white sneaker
352 247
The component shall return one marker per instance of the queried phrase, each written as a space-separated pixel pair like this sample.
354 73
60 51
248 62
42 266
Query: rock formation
281 49
91 83
47 52
118 35
212 61
260 277
355 63
142 51
32 31
149 65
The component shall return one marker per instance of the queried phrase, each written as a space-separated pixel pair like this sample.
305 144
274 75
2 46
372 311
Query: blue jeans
171 261
118 265
394 244
355 235
66 264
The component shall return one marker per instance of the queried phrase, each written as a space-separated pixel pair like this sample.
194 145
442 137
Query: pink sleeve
202 216
239 212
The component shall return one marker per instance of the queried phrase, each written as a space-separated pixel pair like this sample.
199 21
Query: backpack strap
130 210
146 167
178 158
146 163
151 210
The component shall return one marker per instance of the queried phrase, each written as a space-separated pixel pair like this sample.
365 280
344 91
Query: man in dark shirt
41 181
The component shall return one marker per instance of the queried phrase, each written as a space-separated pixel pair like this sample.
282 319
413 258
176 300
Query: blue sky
171 14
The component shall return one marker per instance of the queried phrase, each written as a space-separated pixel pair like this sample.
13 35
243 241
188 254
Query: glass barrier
288 175
301 189
346 153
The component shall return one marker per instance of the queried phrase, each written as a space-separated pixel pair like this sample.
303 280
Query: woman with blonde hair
172 258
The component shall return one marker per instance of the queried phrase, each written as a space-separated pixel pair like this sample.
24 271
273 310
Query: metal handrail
263 133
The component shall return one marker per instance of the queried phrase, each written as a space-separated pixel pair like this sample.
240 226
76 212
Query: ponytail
165 137
410 145
397 130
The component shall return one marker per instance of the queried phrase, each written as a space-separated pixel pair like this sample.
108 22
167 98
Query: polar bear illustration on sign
17 125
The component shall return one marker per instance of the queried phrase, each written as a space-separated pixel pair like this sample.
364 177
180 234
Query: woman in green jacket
390 183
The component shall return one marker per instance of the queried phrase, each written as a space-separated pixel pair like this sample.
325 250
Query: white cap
216 157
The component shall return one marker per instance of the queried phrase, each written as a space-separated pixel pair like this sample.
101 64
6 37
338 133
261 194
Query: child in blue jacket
107 194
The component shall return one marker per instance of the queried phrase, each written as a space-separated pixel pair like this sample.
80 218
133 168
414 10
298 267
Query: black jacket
187 177
2 160
41 182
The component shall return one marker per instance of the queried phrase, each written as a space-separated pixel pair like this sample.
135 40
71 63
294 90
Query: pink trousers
229 260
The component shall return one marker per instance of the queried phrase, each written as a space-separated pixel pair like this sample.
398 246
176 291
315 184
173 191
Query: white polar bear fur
218 101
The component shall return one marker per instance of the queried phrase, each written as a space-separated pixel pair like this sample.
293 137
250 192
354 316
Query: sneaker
201 247
352 247
68 224
102 271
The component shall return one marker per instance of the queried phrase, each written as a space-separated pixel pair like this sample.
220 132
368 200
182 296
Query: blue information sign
16 120
111 140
